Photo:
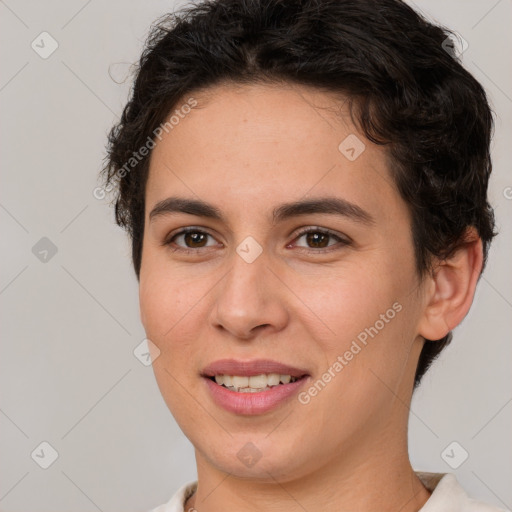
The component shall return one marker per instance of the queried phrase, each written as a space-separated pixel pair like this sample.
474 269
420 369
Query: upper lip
250 368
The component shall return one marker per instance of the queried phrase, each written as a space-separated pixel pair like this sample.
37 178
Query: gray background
70 324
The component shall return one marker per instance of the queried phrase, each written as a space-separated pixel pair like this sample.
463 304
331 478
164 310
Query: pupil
196 238
313 238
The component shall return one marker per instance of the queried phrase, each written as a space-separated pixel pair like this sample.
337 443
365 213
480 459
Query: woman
305 185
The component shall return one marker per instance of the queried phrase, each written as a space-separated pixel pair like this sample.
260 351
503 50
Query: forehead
263 144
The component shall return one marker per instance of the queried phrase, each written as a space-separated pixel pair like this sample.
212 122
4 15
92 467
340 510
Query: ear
451 288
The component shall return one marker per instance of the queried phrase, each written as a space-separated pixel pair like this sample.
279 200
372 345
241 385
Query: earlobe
453 288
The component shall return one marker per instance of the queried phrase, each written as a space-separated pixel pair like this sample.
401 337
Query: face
328 291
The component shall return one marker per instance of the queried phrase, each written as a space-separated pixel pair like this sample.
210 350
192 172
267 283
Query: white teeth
257 381
254 383
285 379
250 390
240 382
273 379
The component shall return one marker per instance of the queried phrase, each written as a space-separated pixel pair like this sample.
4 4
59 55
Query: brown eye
188 240
319 239
194 239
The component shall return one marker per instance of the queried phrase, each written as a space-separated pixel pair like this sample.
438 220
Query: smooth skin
246 150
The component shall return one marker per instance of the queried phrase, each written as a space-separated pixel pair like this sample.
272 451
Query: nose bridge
247 299
246 280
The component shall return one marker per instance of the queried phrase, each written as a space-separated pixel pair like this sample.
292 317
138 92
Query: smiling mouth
254 383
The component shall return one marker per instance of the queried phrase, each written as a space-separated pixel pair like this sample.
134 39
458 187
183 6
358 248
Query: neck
381 479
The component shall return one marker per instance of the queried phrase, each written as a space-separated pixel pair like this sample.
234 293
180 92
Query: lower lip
253 403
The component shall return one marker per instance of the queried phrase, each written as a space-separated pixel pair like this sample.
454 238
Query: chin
265 460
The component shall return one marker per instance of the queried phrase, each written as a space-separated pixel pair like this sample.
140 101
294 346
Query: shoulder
178 500
449 496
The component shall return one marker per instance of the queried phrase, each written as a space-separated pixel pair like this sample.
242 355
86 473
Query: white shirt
447 496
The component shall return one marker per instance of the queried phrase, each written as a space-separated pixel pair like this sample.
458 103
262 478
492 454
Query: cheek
348 302
370 316
166 299
169 319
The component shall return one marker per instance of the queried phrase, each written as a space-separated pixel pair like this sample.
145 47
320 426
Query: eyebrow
323 205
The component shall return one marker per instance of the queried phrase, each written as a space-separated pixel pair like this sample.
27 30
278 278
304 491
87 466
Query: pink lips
252 403
249 368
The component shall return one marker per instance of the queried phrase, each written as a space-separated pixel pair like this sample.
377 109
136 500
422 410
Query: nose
250 299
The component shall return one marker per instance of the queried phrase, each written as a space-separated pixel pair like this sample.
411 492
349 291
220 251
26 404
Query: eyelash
343 242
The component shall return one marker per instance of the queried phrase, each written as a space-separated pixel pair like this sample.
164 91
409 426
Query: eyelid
183 231
343 240
327 231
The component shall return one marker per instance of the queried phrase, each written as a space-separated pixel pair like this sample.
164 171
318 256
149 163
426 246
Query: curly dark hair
406 89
